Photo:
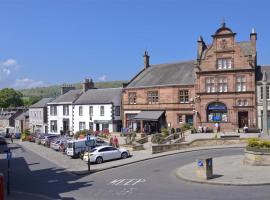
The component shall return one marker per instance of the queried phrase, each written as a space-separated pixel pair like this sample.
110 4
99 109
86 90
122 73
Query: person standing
11 137
217 126
115 141
111 141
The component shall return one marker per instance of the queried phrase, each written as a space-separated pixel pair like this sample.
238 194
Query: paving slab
228 170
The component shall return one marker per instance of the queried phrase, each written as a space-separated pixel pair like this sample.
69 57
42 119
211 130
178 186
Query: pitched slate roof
181 73
7 115
246 47
23 115
68 97
259 72
99 96
42 103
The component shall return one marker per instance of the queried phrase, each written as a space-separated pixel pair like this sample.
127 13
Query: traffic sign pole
88 138
9 155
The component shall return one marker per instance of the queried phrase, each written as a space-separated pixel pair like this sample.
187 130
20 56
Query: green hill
54 91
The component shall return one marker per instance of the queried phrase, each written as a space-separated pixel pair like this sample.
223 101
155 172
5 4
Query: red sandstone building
218 87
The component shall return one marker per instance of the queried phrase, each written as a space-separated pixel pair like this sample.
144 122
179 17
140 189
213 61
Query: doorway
242 119
189 119
66 125
97 127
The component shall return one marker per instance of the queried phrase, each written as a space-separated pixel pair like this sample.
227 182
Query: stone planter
257 157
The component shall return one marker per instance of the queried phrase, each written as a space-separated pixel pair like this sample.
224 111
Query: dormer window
224 63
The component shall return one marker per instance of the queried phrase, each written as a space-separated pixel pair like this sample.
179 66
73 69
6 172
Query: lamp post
264 85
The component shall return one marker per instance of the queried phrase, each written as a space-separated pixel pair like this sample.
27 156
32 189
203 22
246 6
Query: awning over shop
149 115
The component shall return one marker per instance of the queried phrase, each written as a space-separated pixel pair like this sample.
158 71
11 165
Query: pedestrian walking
115 141
11 137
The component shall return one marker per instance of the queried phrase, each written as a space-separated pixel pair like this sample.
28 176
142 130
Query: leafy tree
10 98
28 101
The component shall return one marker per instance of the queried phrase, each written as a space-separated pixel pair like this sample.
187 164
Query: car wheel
124 155
99 160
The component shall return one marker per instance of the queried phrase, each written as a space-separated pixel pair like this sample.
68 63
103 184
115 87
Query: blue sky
46 42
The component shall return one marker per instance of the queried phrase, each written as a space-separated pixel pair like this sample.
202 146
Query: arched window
217 112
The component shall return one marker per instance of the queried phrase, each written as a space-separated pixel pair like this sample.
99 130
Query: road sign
9 155
88 137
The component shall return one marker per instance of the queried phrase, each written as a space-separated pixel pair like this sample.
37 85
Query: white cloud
10 63
102 78
6 68
27 83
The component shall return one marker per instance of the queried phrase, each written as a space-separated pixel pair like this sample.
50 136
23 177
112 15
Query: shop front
150 121
217 112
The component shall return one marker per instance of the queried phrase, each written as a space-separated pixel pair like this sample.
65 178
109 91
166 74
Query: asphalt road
152 179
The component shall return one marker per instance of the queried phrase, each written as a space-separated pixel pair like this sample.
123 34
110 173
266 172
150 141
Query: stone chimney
201 47
253 38
65 88
146 60
88 84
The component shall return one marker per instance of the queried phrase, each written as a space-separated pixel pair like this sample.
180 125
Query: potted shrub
25 135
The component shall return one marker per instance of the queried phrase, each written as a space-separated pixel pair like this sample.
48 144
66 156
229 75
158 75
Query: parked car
45 141
105 153
2 141
59 144
39 138
49 139
17 135
76 148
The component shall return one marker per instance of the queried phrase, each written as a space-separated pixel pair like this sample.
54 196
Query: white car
104 153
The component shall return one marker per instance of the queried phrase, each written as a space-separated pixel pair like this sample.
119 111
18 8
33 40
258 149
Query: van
75 148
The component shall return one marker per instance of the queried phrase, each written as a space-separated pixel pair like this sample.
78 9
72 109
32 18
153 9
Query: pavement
228 170
79 167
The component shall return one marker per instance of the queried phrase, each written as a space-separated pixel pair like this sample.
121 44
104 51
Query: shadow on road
49 182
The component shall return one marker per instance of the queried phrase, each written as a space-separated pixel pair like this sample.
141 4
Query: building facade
38 119
60 113
98 110
219 86
159 96
225 81
259 79
22 122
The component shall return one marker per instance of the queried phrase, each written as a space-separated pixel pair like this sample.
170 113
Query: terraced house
219 86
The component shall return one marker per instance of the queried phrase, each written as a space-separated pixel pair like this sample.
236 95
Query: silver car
105 153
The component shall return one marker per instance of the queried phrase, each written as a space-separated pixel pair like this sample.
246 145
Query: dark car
2 141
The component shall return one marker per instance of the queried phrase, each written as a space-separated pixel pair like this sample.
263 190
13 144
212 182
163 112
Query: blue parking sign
200 163
88 137
9 155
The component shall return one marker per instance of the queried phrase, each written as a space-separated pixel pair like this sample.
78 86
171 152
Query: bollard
204 168
1 186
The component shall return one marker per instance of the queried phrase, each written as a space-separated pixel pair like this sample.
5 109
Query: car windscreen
92 150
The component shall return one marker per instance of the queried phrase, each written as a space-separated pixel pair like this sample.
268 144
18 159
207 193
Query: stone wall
196 143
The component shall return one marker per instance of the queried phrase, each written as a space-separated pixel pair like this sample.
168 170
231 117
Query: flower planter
257 157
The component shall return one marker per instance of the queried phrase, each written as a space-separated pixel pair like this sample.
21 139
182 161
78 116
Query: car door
105 153
114 153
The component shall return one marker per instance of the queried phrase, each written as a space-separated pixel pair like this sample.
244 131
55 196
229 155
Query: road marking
127 182
139 181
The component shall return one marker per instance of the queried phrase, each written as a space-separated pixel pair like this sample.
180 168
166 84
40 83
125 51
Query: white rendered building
98 110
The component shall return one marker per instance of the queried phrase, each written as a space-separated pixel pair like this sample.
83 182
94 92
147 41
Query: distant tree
10 98
28 101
